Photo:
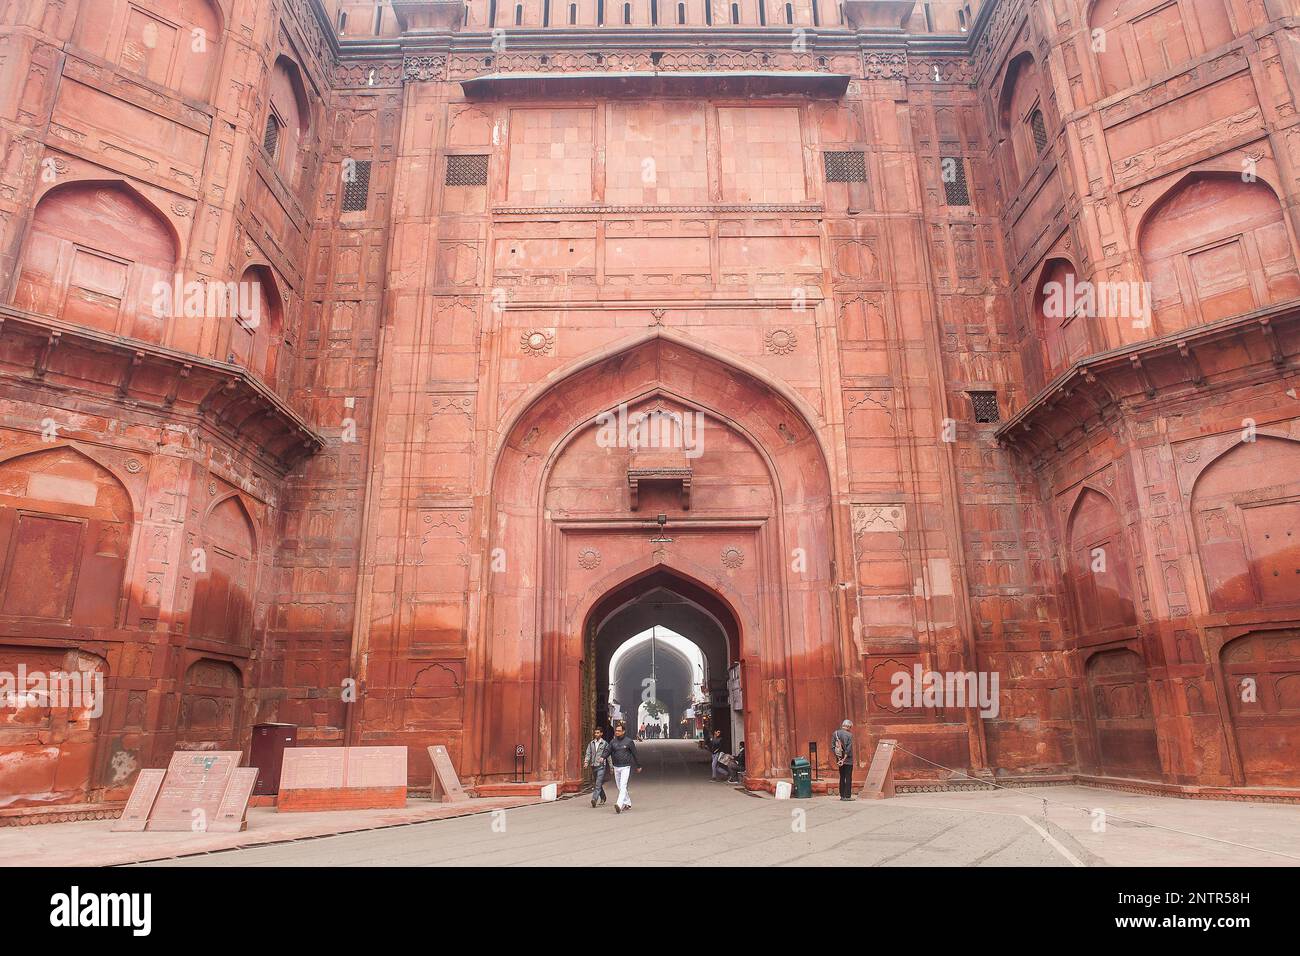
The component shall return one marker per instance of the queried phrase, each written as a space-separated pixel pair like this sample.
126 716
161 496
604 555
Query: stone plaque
234 802
446 785
880 776
375 767
313 768
342 778
136 812
192 791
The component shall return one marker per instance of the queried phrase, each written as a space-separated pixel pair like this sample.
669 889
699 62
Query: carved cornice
1093 391
237 406
596 209
873 51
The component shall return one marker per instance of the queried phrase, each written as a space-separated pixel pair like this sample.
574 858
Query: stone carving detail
423 68
388 73
658 210
589 558
780 341
884 66
935 70
134 466
462 66
733 557
537 342
878 518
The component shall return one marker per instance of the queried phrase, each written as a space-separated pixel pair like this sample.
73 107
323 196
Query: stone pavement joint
680 818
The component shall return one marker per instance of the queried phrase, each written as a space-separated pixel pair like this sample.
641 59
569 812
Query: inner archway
655 681
636 633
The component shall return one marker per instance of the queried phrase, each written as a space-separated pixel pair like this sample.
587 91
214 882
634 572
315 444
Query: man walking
622 754
597 758
842 748
715 747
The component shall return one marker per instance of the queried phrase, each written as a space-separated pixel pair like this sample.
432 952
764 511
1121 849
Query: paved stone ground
680 818
94 843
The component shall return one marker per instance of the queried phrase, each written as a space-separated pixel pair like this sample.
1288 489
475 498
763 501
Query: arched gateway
657 470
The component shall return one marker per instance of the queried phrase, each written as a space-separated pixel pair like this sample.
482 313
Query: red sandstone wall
145 456
1167 161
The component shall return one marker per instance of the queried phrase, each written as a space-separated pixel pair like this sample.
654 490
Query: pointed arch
288 118
510 430
1266 720
1055 306
1245 507
722 603
93 255
211 702
622 596
1122 714
1214 246
174 44
224 593
233 503
1020 95
66 525
560 496
1099 573
256 322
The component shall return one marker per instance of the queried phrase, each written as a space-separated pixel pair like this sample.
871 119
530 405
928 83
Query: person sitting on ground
715 748
738 768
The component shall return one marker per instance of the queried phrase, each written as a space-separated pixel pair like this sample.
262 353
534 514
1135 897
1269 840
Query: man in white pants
622 754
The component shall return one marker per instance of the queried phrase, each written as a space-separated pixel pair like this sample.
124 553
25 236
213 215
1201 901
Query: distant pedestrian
842 748
597 758
622 754
715 747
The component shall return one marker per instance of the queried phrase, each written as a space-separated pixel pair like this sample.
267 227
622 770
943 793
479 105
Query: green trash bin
801 771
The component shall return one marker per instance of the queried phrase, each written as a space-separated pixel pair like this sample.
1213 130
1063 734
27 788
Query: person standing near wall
842 748
597 758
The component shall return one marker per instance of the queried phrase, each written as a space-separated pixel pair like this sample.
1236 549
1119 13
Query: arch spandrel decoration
531 644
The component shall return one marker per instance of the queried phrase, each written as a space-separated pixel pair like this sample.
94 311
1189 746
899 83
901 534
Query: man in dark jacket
842 748
597 758
622 754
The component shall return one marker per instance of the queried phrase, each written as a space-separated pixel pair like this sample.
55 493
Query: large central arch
571 534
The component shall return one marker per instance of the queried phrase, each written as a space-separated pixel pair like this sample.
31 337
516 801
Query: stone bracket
681 476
